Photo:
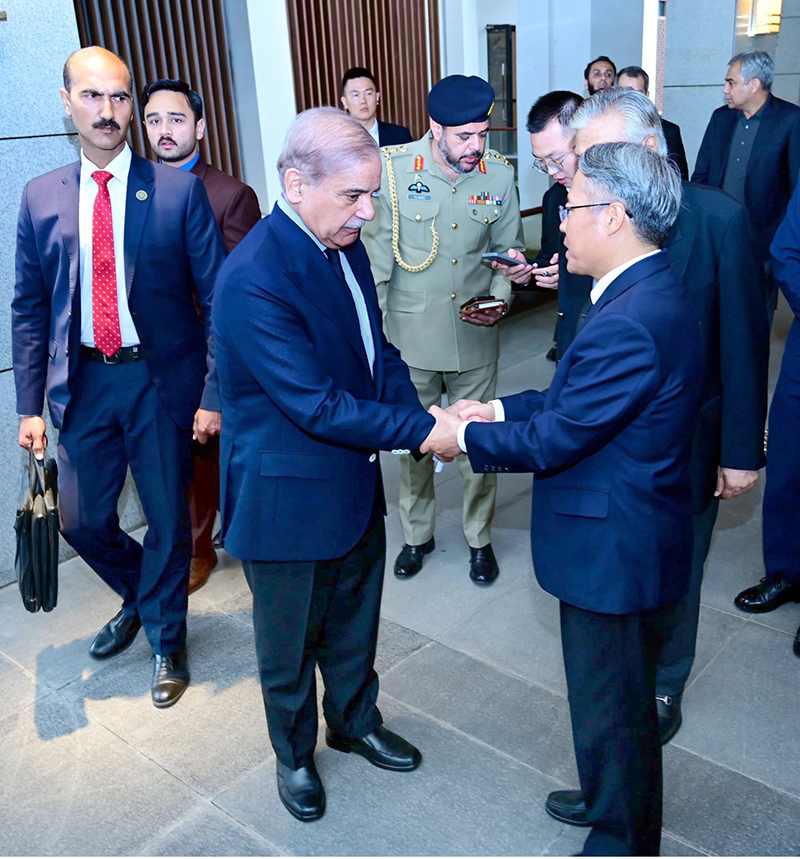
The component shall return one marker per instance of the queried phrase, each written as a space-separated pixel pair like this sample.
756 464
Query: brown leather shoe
199 571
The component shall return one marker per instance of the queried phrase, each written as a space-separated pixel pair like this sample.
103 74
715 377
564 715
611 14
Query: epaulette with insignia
389 151
496 156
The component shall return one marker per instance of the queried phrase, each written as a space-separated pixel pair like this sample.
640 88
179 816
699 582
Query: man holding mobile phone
444 201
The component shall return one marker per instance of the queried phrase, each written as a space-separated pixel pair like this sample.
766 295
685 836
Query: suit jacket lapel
729 120
69 200
313 275
137 206
628 278
359 263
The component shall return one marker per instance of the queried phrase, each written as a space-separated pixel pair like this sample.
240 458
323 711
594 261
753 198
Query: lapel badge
481 166
419 161
141 195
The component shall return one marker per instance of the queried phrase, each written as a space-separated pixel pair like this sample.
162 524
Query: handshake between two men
444 440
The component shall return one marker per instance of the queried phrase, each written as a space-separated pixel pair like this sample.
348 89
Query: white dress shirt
352 283
374 131
597 290
117 190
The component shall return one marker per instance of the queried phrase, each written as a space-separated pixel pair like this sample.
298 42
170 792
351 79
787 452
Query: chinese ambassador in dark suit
609 446
110 253
311 392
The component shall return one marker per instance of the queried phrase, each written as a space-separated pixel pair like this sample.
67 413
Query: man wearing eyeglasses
609 445
552 148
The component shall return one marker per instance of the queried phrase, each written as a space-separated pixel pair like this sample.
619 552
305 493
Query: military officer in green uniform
444 201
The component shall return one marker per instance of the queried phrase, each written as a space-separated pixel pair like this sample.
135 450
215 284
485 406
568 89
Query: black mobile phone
504 260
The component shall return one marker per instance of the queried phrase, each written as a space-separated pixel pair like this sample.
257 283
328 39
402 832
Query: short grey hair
756 64
640 114
323 141
645 183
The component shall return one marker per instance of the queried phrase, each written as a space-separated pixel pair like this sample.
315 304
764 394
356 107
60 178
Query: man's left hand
443 438
486 317
732 482
206 424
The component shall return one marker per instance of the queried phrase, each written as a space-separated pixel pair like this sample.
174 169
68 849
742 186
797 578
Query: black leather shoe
170 678
552 352
409 561
796 645
568 806
382 748
766 596
117 635
668 708
483 569
301 791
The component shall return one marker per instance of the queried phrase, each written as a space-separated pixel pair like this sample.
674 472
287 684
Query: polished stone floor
473 676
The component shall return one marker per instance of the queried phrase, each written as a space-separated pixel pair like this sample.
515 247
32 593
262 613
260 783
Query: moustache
355 224
474 154
106 123
165 140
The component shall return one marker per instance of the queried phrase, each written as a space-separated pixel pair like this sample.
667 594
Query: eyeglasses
557 166
563 211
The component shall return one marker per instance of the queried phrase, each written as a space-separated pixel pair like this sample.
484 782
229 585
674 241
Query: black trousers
610 662
680 637
116 419
309 613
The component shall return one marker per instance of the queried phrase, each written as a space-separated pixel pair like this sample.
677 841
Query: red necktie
105 308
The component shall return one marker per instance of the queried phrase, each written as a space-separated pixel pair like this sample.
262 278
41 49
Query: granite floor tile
519 633
395 644
722 812
714 630
441 594
741 712
208 831
19 689
465 799
62 791
524 721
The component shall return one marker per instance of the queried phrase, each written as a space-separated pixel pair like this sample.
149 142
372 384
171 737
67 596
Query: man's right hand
33 435
519 274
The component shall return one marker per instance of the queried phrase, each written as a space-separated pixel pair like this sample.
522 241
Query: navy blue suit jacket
173 250
771 172
786 270
392 135
609 446
303 417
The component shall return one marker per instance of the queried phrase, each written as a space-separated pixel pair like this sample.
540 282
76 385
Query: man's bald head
88 57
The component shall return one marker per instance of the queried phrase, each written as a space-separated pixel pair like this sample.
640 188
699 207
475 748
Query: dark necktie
336 263
582 316
105 307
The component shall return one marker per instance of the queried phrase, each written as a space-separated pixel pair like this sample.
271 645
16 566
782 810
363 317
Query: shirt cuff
462 442
499 411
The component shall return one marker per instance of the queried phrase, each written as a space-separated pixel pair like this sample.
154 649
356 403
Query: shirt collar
119 167
290 213
189 164
607 279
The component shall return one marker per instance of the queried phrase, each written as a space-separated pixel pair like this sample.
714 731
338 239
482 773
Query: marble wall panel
22 158
699 42
787 87
691 108
36 39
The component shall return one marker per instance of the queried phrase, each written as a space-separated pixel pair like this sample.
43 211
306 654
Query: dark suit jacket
573 289
393 135
609 446
675 150
711 253
786 270
173 252
304 418
235 205
771 172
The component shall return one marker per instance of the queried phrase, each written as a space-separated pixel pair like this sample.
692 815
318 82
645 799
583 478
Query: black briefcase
36 526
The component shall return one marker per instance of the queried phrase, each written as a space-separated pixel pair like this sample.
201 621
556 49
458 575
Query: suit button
454 261
406 451
454 226
373 457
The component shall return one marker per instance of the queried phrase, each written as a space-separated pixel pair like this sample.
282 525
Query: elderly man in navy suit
311 392
110 252
609 446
